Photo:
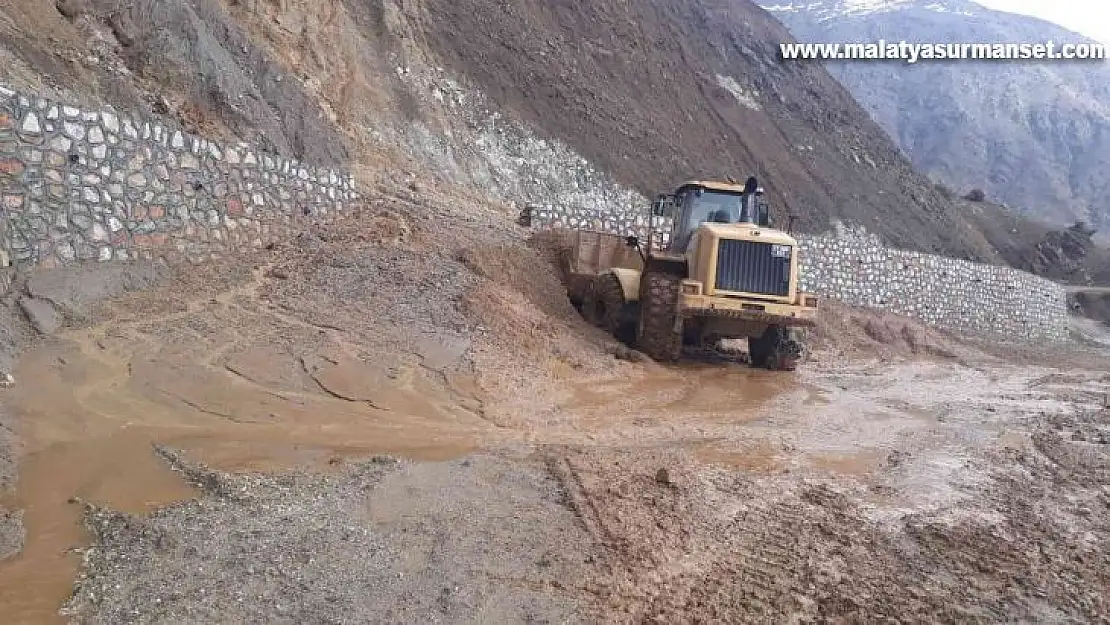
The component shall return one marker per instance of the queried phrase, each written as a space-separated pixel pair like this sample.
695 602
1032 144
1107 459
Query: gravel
479 540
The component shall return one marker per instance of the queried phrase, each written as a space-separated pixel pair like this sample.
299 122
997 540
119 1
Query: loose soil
409 423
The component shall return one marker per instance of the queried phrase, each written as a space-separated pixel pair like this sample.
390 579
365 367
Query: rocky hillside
661 90
1033 135
582 102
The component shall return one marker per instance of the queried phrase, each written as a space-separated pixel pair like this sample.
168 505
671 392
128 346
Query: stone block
74 130
11 166
42 314
61 144
31 124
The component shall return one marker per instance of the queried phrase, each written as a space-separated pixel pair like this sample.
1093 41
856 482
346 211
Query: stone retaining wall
623 223
81 185
854 267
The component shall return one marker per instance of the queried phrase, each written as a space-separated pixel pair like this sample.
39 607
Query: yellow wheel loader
723 273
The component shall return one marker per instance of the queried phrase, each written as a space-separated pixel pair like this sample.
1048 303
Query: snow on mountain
1033 134
822 10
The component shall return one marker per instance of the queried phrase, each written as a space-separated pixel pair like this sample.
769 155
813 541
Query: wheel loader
723 273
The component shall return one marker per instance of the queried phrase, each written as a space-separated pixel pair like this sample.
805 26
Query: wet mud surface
301 443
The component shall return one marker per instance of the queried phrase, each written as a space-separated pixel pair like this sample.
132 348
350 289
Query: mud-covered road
311 438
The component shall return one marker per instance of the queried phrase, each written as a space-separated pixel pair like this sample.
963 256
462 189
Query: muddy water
90 415
92 405
34 584
691 392
760 457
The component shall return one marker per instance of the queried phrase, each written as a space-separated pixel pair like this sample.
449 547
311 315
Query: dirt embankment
190 61
661 91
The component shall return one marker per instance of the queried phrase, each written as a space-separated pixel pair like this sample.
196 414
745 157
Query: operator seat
720 216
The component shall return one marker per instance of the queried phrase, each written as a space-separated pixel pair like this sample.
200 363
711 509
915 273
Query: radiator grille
753 267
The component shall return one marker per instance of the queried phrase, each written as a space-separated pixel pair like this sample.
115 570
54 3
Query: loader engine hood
748 232
745 260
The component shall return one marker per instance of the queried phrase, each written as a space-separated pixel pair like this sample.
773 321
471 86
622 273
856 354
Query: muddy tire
656 335
619 318
779 349
591 305
604 305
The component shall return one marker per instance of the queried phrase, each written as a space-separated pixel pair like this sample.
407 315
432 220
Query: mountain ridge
1032 135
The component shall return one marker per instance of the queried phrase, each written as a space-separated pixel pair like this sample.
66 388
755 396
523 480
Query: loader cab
695 203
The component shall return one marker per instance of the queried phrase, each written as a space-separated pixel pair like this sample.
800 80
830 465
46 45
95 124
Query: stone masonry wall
79 185
624 223
854 267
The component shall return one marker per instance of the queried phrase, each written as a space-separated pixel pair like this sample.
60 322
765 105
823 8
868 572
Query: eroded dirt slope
660 91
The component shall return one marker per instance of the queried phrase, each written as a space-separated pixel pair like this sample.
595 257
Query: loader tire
617 317
606 308
779 349
656 336
590 307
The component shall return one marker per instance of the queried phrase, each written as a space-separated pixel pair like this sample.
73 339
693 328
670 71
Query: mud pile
855 332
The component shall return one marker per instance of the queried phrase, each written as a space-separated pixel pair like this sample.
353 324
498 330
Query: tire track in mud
1024 534
578 499
1030 543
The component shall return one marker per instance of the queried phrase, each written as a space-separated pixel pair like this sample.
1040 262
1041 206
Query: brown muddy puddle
702 407
89 419
92 406
761 456
689 390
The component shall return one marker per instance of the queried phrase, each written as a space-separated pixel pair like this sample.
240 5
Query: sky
1086 17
